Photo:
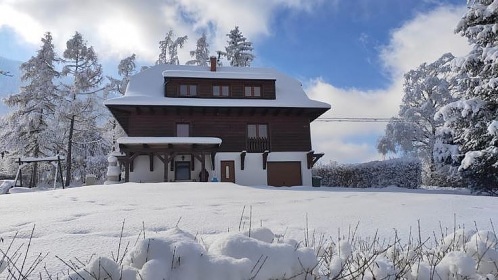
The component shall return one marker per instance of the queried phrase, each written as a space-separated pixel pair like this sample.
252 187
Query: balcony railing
257 144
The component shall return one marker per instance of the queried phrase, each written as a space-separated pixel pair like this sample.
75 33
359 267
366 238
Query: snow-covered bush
176 254
404 173
459 255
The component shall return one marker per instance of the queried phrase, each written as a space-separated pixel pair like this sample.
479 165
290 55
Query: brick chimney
213 61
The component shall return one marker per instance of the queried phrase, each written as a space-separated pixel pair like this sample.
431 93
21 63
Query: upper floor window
221 90
257 131
252 91
188 90
182 130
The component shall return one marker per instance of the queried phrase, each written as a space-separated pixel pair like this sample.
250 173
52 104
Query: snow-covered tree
28 130
414 131
472 120
239 50
80 110
169 49
126 68
201 52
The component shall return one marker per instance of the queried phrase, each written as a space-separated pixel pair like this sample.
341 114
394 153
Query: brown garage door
284 173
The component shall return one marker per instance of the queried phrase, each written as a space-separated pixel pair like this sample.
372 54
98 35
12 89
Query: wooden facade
205 87
288 130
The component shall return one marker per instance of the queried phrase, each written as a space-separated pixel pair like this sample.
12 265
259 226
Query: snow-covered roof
147 88
169 140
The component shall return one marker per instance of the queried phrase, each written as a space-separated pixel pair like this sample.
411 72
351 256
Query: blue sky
349 53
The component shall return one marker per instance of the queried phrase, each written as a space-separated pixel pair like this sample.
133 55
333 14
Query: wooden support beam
192 162
127 170
151 162
265 159
312 158
165 165
172 162
132 158
204 174
213 155
242 159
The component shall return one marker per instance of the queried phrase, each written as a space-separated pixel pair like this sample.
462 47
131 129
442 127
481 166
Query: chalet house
250 126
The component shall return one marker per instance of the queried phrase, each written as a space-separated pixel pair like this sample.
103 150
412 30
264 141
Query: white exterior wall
252 175
142 173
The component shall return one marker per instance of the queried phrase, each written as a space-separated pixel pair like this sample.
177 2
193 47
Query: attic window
219 90
188 90
252 91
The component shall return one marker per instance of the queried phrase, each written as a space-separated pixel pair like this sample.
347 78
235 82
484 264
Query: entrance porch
175 158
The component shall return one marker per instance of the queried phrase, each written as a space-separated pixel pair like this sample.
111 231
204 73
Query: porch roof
169 140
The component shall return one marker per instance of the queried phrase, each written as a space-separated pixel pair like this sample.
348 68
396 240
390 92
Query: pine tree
472 120
126 68
28 130
169 49
239 50
80 109
201 53
415 131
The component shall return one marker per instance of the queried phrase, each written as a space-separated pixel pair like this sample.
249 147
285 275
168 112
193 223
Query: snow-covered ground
82 221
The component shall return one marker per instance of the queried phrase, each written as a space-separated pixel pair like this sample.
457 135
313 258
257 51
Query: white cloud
117 28
422 39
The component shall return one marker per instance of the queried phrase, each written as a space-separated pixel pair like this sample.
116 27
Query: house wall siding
286 133
205 87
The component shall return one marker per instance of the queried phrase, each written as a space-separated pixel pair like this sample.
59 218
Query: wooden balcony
257 145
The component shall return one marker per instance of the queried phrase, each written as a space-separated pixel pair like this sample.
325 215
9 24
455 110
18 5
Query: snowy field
82 221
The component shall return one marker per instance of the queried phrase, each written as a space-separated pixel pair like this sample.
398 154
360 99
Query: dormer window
252 91
188 90
221 91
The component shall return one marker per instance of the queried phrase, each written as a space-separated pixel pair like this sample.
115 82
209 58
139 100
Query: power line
364 120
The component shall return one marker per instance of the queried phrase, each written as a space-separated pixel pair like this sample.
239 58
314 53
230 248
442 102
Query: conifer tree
126 68
80 109
472 120
239 50
201 53
169 49
28 130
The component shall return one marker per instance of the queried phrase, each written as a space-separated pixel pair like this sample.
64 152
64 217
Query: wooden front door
228 171
182 170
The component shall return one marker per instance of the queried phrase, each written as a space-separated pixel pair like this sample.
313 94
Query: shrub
404 173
